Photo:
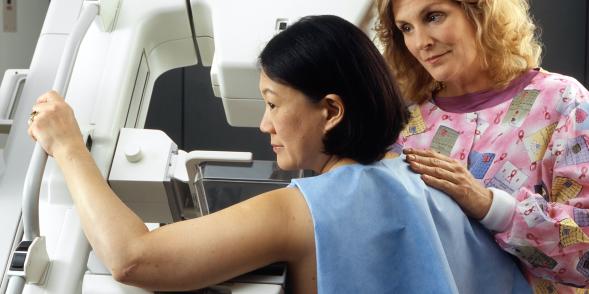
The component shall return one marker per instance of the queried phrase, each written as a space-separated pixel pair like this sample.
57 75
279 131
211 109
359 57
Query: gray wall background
564 28
183 104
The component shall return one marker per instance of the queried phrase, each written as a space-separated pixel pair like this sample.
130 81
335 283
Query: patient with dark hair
364 224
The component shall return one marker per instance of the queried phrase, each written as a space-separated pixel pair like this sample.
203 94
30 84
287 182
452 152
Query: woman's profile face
295 125
441 37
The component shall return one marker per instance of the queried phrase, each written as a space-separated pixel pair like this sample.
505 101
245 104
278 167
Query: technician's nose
423 40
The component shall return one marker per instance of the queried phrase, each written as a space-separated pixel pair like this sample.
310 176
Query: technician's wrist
483 204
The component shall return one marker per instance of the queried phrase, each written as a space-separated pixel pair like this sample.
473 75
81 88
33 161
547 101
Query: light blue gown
380 229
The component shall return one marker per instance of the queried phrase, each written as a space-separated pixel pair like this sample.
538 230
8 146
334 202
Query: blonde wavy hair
505 33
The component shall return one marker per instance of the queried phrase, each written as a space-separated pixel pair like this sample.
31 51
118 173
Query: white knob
133 153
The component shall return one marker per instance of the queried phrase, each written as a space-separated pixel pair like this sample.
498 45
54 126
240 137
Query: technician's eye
434 17
405 28
271 105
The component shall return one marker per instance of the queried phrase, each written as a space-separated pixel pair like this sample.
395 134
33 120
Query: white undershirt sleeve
501 213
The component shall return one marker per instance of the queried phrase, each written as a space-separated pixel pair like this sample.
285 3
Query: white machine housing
241 29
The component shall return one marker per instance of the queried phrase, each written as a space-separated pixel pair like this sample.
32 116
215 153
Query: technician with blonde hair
506 139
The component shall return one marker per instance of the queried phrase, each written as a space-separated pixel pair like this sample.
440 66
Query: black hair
325 54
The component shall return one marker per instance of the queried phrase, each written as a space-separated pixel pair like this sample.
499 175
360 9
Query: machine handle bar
34 176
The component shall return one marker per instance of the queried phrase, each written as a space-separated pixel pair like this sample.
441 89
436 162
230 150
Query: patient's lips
276 147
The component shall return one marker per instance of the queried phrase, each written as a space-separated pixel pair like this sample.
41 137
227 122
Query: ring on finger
32 116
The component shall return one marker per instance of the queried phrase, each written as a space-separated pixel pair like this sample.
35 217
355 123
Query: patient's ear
333 110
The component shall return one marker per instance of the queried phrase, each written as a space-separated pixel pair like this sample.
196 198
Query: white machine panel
241 30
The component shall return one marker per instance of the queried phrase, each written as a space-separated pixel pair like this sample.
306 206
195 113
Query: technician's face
440 36
295 125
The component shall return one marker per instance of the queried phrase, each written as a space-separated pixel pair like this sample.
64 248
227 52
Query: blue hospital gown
380 229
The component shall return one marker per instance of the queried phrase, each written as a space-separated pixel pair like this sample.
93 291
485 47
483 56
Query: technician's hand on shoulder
53 125
453 178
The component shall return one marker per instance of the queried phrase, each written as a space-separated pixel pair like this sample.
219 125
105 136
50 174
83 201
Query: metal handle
32 184
9 90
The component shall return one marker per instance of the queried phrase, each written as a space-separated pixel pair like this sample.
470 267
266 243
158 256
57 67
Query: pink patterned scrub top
529 143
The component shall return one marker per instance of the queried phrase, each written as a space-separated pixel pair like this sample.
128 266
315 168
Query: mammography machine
104 56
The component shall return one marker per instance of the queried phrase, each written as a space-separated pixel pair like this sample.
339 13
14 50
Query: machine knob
133 153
